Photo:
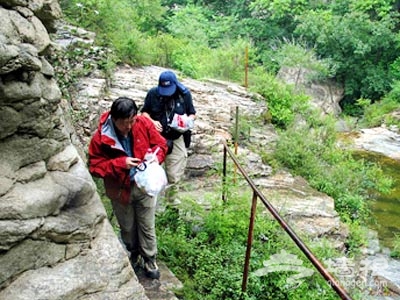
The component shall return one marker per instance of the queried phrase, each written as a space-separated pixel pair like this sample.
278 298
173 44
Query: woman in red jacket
115 150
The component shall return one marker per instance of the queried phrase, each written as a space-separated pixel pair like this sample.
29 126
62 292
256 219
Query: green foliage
394 94
130 46
227 62
106 203
244 125
78 61
279 9
357 238
160 49
189 23
118 24
293 54
187 60
395 70
379 112
283 100
357 40
279 13
396 247
376 8
361 47
206 49
223 7
311 152
208 256
150 14
203 62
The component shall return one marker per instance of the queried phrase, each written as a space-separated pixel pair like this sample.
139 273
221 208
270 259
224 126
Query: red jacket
107 157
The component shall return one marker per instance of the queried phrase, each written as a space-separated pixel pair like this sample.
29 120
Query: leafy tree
189 23
121 25
374 8
361 48
150 15
238 8
360 39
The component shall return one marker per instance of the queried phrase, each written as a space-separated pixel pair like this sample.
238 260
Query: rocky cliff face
323 96
55 239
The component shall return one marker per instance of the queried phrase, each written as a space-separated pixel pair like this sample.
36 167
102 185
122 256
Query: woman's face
124 126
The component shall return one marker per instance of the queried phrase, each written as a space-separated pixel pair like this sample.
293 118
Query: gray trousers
175 162
137 223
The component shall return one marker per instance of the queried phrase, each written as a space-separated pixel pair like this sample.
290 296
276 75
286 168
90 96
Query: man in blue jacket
162 102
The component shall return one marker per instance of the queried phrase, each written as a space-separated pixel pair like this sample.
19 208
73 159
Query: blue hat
167 83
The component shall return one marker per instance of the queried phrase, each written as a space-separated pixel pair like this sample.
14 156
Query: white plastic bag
181 123
151 178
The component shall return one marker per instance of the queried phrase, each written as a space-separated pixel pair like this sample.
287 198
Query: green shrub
106 203
396 247
378 113
78 61
120 25
356 239
208 255
227 61
161 49
282 100
311 152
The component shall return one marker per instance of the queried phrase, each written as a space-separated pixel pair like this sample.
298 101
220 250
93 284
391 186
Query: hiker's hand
158 125
131 162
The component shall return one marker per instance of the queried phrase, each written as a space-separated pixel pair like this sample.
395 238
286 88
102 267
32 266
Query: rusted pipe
236 139
224 175
317 264
249 241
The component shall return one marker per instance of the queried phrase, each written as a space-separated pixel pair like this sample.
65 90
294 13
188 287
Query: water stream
385 218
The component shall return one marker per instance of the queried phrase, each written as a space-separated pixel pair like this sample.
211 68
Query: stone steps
162 289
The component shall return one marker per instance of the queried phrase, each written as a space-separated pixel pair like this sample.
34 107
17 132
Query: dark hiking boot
136 262
151 269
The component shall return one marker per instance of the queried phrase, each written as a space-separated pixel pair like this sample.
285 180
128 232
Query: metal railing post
224 176
249 241
236 139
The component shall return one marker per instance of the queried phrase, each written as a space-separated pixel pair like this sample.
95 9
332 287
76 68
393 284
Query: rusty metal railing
257 194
